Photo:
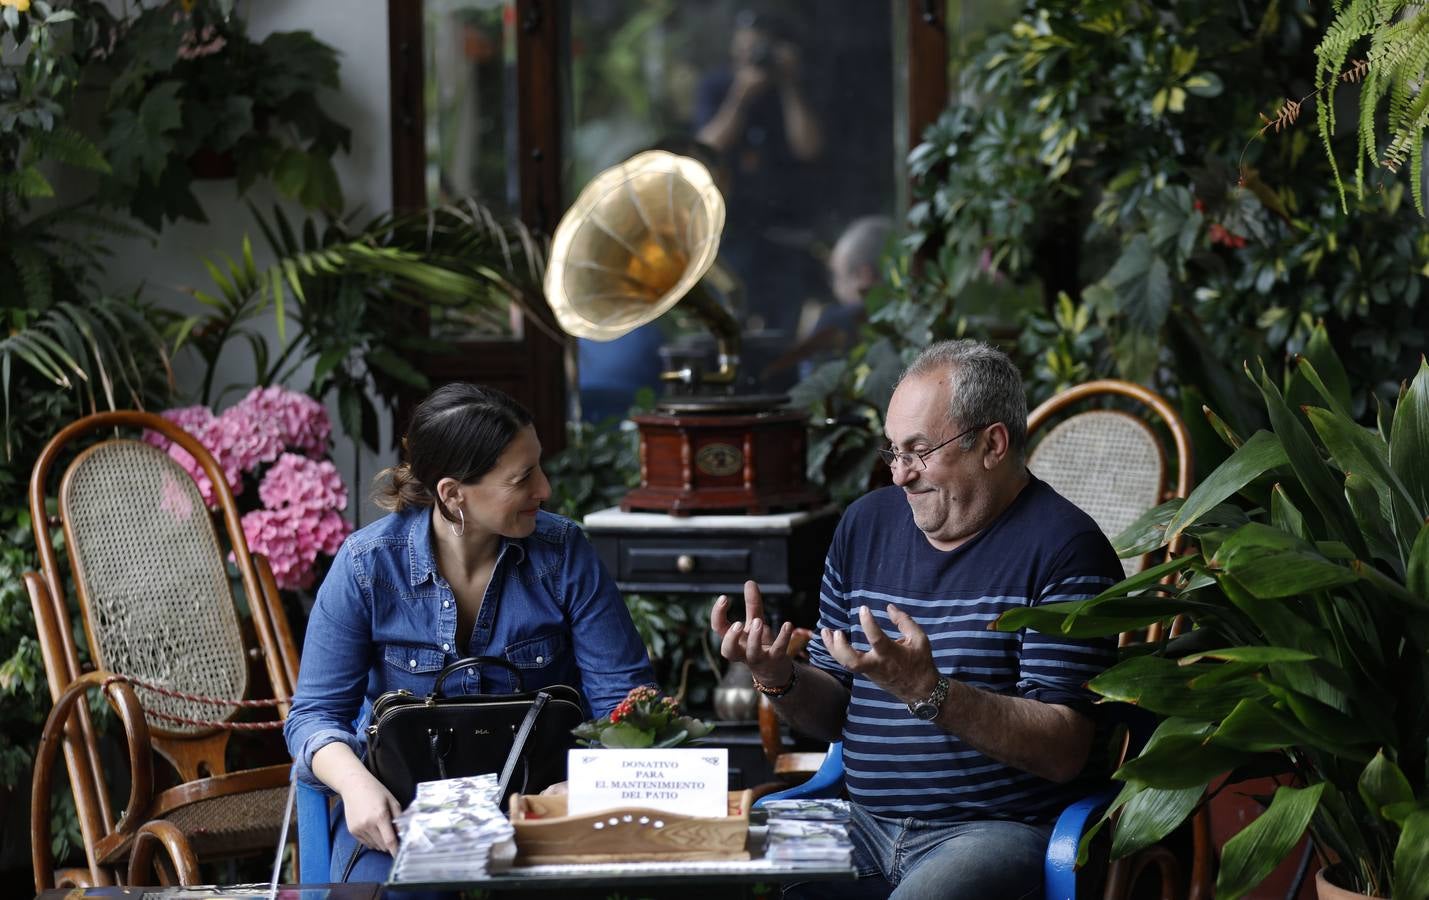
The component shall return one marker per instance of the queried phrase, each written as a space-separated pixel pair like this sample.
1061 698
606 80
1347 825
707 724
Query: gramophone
638 240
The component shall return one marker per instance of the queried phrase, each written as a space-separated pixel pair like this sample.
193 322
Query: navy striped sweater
1041 549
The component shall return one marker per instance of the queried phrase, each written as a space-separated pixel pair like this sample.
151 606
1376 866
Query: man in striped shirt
961 745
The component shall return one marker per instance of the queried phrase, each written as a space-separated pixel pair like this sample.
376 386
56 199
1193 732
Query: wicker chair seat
235 824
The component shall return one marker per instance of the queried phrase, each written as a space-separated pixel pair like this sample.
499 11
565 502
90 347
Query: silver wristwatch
928 708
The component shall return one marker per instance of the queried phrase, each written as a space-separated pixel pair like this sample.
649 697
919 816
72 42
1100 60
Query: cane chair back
1108 462
150 579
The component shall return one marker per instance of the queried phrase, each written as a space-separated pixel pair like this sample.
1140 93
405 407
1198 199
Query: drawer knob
685 563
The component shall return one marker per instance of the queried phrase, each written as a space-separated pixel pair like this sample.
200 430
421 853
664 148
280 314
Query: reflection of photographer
763 55
756 115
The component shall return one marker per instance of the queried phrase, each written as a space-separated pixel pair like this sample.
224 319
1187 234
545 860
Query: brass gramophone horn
637 241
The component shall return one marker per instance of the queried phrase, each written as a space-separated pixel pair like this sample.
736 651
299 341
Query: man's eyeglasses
892 456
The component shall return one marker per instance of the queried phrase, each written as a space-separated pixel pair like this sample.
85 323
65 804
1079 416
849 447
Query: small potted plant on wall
191 95
1309 658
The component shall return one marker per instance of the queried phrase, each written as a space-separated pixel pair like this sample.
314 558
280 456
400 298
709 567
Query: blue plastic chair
314 835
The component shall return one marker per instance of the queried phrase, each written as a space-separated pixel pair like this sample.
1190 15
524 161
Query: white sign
690 781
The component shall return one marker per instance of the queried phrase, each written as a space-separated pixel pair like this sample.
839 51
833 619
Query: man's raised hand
903 666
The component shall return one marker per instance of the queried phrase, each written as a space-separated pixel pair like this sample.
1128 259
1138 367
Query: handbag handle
478 661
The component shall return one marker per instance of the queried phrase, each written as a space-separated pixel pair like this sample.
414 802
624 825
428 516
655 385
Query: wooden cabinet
715 554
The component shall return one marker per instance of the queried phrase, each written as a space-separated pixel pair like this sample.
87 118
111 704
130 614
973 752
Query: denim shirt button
412 663
540 659
446 604
446 646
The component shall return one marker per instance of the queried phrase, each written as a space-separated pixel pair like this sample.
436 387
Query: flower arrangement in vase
272 445
642 719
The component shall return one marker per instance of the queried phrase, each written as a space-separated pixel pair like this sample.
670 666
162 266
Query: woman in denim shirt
467 564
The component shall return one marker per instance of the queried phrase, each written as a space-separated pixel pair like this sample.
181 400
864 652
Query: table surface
574 876
614 519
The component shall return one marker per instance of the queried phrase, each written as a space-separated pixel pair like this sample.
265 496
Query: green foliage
1108 153
642 719
188 87
1311 643
108 346
1391 75
339 288
599 464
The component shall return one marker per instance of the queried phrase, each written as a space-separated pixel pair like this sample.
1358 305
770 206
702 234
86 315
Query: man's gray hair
984 387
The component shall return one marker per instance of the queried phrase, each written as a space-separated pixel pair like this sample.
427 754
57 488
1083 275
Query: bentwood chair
1111 463
158 608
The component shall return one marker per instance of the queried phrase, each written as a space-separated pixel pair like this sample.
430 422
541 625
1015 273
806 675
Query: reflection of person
467 564
961 744
853 271
757 116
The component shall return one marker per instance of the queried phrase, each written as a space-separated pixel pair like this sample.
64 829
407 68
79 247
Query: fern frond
69 147
36 279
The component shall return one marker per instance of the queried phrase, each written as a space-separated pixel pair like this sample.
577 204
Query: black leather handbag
523 736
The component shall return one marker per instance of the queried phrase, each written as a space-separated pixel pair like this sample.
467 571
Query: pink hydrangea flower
291 538
190 418
298 481
301 421
302 493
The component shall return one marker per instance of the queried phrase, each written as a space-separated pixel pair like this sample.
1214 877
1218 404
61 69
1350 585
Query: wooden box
545 834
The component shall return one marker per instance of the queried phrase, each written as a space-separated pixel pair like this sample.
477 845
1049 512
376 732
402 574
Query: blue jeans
913 859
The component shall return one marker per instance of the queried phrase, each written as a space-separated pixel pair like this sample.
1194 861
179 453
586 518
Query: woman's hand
559 789
367 805
369 808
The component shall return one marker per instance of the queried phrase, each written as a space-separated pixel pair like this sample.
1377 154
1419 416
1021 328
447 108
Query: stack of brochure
808 831
453 831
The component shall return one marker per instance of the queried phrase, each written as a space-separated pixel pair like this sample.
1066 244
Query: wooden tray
545 834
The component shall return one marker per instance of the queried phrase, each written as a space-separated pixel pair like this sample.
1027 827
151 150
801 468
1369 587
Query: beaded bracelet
776 693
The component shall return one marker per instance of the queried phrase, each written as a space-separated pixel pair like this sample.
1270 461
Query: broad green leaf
1147 532
1284 515
1373 518
1261 655
1416 574
1271 563
1038 616
1222 429
1382 784
1180 762
1398 813
1387 586
1281 625
1254 728
1409 437
1254 458
1411 859
1251 855
1150 815
1359 451
625 736
1163 686
1318 360
1324 490
1332 728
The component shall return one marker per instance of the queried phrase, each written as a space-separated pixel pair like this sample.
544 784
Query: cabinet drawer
682 561
670 564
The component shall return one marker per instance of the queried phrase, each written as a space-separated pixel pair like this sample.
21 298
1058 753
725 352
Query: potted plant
1309 658
191 95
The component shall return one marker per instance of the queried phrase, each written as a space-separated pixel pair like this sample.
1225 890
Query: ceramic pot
735 699
1325 890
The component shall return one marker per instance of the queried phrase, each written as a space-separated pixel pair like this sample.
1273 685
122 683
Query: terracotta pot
1328 891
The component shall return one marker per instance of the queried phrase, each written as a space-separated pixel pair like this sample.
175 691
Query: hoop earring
458 532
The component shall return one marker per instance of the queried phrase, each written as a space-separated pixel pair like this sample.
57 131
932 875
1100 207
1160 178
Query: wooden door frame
538 124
